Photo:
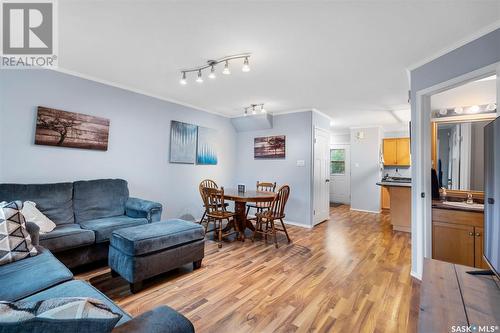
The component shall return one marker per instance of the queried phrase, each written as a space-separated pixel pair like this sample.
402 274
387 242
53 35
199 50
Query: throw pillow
65 314
15 241
32 214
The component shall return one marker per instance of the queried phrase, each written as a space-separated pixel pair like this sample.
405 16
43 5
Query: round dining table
240 202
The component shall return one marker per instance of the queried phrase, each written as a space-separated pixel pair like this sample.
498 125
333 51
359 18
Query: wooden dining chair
216 211
260 206
206 183
275 212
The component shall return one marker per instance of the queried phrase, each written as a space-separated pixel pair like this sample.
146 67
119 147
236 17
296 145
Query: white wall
138 143
365 169
340 138
298 130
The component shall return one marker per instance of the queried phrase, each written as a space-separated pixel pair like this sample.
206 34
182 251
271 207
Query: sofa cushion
77 288
53 200
15 240
66 237
156 236
95 199
105 226
58 315
31 275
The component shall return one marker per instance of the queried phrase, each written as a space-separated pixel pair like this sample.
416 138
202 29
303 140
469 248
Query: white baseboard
297 224
366 211
415 275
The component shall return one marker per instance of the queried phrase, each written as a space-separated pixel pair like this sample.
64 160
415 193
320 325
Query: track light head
226 70
262 110
246 66
212 73
199 79
183 80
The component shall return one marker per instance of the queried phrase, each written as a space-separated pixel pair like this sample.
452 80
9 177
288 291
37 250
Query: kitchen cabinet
397 152
457 237
386 198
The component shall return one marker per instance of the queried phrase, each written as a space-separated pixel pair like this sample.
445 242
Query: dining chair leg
284 229
274 234
220 234
256 229
203 217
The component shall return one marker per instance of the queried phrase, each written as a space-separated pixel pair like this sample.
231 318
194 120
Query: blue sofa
43 277
86 213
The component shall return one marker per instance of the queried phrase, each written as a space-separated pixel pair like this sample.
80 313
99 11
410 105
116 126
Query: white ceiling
346 59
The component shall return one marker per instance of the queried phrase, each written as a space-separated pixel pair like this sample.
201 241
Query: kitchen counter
383 183
400 210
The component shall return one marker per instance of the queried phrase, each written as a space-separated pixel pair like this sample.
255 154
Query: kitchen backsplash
397 172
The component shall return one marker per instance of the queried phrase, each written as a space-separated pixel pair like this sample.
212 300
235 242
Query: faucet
470 200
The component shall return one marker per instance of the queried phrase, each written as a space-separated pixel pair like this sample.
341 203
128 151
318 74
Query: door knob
478 234
327 180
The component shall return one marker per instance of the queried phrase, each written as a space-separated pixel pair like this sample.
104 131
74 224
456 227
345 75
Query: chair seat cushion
156 236
67 236
31 275
105 226
77 288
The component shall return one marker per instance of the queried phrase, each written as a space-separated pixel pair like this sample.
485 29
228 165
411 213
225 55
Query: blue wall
138 143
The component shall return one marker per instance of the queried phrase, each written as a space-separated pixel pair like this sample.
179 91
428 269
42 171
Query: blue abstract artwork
183 142
207 148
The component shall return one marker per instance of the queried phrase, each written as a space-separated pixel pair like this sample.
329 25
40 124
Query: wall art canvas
70 129
207 146
183 142
269 147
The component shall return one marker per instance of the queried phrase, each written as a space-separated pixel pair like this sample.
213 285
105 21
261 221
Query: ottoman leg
197 264
135 287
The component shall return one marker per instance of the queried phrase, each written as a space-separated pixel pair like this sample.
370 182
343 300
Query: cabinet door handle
471 233
478 234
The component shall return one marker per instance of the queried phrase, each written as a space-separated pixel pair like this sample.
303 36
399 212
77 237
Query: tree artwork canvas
269 147
70 129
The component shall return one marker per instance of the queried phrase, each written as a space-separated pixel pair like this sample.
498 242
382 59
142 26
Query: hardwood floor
349 274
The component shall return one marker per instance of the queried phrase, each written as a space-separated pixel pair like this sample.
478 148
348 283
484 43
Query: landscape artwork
269 147
183 142
207 148
70 129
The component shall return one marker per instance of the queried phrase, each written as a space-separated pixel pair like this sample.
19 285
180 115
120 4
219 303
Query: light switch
301 163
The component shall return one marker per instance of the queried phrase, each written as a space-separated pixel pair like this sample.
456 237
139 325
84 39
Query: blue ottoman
141 252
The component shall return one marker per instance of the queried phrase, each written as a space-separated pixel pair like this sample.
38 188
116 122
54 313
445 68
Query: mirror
460 155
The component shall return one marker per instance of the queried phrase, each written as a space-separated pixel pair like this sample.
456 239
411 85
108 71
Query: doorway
340 173
321 176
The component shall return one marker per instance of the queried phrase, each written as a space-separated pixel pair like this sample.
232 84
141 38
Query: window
337 161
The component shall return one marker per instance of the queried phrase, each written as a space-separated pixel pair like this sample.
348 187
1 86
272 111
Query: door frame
313 201
346 146
421 219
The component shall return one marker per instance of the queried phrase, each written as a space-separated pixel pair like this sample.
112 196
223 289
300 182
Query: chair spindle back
266 186
278 204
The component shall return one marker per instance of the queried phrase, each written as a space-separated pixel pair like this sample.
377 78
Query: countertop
382 183
439 204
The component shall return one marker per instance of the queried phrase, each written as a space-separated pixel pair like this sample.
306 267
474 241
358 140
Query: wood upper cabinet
397 152
457 237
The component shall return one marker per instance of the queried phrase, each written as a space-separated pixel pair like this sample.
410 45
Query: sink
464 205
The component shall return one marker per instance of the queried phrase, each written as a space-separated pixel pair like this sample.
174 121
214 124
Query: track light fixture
255 108
212 64
183 80
199 79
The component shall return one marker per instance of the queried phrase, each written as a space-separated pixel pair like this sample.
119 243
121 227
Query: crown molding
134 90
484 31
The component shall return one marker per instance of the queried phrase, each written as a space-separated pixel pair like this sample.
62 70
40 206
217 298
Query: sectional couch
86 213
43 277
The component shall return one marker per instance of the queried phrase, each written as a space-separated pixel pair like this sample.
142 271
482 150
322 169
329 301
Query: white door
321 176
340 173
